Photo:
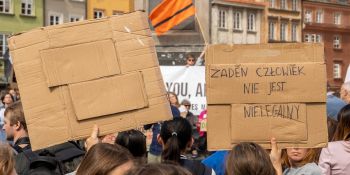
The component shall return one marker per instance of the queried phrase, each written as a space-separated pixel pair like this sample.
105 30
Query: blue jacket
155 148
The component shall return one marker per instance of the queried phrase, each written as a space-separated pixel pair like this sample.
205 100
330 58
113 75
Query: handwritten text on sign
269 82
289 116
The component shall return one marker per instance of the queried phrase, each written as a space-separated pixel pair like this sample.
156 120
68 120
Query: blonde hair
7 162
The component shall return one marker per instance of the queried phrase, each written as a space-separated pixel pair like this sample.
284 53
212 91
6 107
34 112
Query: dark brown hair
159 169
14 113
7 162
249 159
103 158
176 135
343 128
134 141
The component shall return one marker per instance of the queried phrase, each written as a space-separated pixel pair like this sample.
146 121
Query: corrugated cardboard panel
285 122
31 38
219 127
80 33
234 78
108 96
265 53
266 83
81 54
65 65
219 119
131 51
127 24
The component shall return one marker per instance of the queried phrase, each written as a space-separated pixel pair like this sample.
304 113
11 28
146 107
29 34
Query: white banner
188 83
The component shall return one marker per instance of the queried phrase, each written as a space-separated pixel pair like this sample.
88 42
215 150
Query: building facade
17 16
237 21
62 11
283 21
328 22
101 8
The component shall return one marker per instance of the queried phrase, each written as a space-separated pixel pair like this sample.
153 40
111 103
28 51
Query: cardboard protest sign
74 75
256 92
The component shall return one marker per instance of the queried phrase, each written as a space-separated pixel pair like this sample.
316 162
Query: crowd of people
173 150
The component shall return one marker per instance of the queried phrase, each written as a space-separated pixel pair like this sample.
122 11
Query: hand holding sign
93 139
275 156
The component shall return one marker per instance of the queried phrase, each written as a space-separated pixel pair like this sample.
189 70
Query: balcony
327 27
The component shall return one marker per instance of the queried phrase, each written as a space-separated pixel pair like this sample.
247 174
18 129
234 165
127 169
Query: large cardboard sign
188 83
256 92
74 75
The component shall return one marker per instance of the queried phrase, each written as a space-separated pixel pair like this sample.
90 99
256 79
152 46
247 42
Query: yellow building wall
109 6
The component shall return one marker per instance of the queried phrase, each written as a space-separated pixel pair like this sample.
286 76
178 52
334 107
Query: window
318 38
308 16
222 19
237 20
251 22
98 14
5 6
295 5
336 42
337 18
283 31
294 32
272 3
307 38
283 4
73 18
55 19
271 30
319 16
336 70
3 44
27 7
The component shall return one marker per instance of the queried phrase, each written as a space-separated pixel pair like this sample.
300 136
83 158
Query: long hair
311 156
176 135
7 162
249 158
343 128
177 104
103 158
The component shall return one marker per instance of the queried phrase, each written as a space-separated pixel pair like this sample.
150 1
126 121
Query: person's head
7 162
134 141
7 99
13 93
175 137
343 128
106 159
190 60
172 97
186 103
297 157
159 169
14 121
249 158
345 92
